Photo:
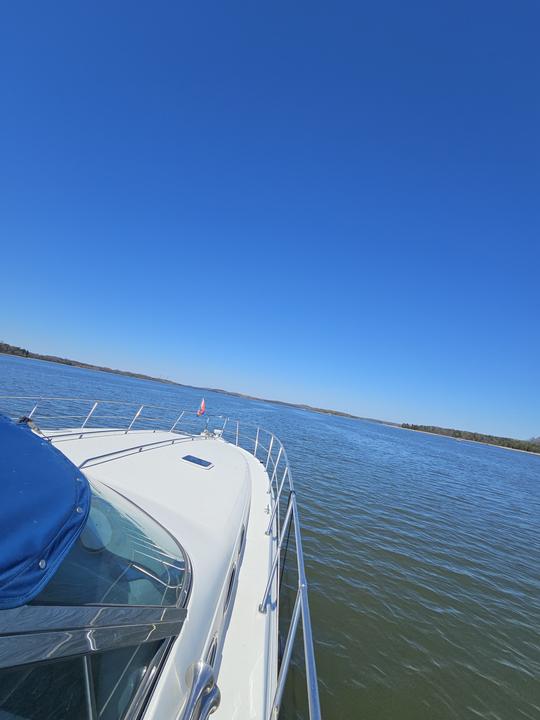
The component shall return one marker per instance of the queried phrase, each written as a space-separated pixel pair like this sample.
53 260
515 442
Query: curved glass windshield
122 557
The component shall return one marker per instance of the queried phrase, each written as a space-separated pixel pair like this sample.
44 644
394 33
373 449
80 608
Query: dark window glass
49 691
229 589
117 674
242 538
197 461
57 690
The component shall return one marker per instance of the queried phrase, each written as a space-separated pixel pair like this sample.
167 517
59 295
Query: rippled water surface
422 552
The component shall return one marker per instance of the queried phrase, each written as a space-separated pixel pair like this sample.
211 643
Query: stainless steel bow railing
82 417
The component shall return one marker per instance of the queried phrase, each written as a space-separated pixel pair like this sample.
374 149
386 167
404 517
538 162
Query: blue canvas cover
44 504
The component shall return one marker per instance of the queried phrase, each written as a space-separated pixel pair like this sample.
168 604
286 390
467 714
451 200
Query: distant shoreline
465 439
13 350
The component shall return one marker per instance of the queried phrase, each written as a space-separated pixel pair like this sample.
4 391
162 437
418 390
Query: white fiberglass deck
205 509
251 633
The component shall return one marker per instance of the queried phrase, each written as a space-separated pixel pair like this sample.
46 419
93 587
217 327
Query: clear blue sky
334 203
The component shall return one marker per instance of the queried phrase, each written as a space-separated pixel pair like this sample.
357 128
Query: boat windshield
122 557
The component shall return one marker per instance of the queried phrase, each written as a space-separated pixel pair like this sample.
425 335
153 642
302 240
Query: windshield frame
42 631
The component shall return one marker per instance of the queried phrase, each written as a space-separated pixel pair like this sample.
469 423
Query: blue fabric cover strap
44 504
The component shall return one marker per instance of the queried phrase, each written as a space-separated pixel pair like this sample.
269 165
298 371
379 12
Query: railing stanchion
276 467
262 606
276 503
87 418
237 430
33 410
139 411
269 452
177 420
256 443
311 670
309 653
285 662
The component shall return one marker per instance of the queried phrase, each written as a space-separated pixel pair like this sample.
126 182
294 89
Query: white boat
166 603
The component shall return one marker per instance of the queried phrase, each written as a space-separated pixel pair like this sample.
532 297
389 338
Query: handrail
262 444
96 459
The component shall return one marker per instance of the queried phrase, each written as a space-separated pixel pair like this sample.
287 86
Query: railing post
309 653
177 420
94 406
309 658
276 467
262 606
139 411
269 452
237 430
276 503
256 443
33 410
287 653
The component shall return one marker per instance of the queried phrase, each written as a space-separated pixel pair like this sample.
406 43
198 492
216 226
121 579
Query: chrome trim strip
47 618
36 647
35 633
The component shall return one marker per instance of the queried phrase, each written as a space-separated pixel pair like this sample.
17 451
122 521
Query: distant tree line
13 350
532 445
7 349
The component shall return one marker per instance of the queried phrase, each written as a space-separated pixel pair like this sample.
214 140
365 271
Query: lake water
423 554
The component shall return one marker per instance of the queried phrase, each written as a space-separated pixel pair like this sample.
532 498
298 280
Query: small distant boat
140 563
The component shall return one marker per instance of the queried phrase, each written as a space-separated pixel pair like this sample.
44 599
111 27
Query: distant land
532 445
7 349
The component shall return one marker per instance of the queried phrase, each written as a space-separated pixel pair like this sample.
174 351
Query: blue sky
331 203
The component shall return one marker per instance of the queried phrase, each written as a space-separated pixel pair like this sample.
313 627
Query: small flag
202 409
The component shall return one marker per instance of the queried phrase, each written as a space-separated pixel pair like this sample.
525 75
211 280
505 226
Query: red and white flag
202 409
